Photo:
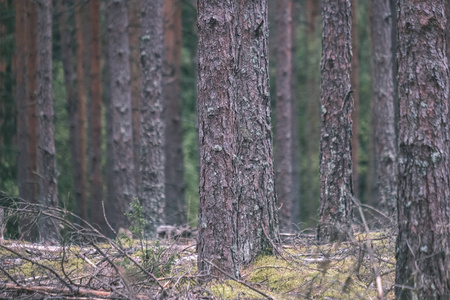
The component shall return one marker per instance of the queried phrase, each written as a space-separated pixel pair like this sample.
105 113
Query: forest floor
88 265
361 268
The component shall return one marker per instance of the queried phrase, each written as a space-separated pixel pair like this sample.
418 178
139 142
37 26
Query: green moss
230 289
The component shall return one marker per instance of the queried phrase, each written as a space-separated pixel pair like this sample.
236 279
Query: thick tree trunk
238 214
283 114
122 187
336 186
355 87
80 174
174 169
383 113
134 34
151 189
48 174
95 155
423 189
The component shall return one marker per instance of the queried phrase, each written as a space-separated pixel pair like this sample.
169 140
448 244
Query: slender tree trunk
174 169
48 174
336 186
134 33
355 87
122 188
3 65
423 189
151 189
23 160
67 46
96 178
80 175
295 217
383 112
283 114
237 214
109 125
32 63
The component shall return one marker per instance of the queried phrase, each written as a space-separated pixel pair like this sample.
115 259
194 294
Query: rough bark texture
336 187
122 187
238 213
95 154
80 174
48 174
134 34
174 169
151 189
283 114
355 94
423 162
383 113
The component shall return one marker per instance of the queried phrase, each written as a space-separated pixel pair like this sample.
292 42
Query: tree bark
20 58
151 189
96 177
32 63
283 114
122 187
237 217
295 216
355 94
80 175
423 163
67 46
383 112
336 186
134 33
48 174
174 169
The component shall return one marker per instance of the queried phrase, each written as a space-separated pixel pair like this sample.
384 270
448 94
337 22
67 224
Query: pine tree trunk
174 169
23 160
32 63
134 33
95 156
122 187
336 187
48 174
423 189
3 65
80 175
283 114
295 217
67 46
383 113
151 189
238 213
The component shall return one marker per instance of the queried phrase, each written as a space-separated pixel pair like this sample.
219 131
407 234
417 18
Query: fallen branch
64 291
